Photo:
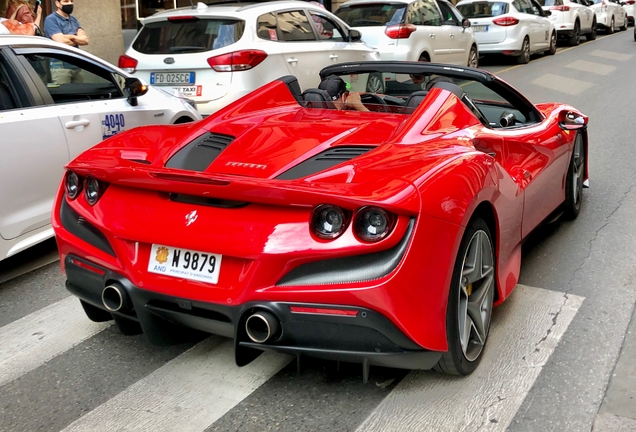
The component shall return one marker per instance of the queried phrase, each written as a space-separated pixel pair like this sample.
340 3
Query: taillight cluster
560 8
370 224
237 61
506 21
128 64
400 31
93 188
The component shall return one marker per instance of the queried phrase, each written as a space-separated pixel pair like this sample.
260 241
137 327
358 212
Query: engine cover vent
323 161
200 153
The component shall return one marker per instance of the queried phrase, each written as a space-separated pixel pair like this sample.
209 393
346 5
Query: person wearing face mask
62 27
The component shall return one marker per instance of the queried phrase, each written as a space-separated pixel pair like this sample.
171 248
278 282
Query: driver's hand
353 101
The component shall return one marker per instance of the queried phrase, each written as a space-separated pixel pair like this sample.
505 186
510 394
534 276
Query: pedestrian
24 12
62 27
14 27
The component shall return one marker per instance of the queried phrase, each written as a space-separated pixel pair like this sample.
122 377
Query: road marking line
189 393
611 55
31 341
526 329
591 67
562 84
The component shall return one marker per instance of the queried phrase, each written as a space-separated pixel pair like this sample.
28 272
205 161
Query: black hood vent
323 161
200 153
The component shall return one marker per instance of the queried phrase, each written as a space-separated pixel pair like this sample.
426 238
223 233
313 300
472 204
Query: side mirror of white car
133 89
354 36
465 23
547 13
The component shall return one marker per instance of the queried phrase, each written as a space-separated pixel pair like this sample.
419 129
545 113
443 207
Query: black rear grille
206 201
323 161
200 153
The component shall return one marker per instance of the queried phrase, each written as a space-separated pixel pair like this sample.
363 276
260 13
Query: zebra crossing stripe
526 329
187 394
33 340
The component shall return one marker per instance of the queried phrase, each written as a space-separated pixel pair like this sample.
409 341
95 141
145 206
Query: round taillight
328 221
73 185
372 224
92 190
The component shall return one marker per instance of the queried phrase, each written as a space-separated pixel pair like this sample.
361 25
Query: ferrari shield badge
191 217
162 255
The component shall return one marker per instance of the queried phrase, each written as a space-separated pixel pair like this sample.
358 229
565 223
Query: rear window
483 9
551 2
374 14
188 36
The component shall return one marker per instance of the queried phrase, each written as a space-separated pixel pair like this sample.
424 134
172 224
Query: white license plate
480 28
190 91
185 263
172 78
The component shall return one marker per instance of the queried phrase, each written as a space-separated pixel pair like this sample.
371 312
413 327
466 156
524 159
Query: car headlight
93 190
372 224
328 221
73 185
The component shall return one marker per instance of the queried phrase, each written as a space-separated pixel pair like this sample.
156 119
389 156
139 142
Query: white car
512 27
44 124
415 30
609 15
630 9
572 18
219 53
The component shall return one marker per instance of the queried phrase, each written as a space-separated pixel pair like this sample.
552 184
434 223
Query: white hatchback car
572 18
415 30
630 10
610 15
512 27
219 53
44 124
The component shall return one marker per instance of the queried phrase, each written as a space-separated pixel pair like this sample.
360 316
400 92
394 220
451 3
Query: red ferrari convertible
283 221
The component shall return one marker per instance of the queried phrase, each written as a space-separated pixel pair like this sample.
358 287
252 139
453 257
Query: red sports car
290 223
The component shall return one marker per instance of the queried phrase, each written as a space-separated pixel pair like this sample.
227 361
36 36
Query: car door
530 20
542 25
34 152
584 12
334 37
92 108
461 39
427 18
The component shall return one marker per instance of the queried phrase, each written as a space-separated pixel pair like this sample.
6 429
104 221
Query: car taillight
183 18
237 61
128 64
328 221
401 31
506 21
630 2
603 6
93 189
560 8
372 224
73 185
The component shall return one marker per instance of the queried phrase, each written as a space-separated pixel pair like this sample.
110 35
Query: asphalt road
559 357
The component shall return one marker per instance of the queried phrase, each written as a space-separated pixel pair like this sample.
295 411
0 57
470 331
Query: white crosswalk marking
566 85
31 341
611 55
591 67
526 329
188 394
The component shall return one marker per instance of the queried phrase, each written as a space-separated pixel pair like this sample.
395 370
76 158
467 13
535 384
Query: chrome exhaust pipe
115 298
262 326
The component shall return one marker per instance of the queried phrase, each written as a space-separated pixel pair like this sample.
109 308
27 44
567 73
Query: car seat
317 98
414 100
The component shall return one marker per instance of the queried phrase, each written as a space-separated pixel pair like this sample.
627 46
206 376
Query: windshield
483 9
188 36
374 14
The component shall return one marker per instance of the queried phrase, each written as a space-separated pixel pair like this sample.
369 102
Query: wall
101 19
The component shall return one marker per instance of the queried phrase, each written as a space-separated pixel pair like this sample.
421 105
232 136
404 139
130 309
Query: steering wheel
376 102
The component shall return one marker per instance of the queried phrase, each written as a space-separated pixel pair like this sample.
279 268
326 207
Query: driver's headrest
317 98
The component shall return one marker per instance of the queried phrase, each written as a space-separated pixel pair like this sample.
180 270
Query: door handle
432 35
333 57
292 60
76 123
452 35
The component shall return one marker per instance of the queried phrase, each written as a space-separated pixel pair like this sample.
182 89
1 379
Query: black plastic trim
357 268
324 160
200 153
79 227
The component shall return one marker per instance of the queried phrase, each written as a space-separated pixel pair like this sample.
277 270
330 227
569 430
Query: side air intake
200 153
323 161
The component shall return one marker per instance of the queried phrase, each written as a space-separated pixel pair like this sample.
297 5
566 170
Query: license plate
171 78
480 28
185 263
190 91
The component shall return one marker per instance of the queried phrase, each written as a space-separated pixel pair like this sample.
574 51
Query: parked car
629 6
609 15
415 30
516 28
216 54
572 19
383 237
45 123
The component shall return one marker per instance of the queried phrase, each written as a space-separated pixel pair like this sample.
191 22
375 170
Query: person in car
339 93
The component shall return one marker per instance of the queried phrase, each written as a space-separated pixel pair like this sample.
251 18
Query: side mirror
354 36
134 88
547 13
569 120
465 23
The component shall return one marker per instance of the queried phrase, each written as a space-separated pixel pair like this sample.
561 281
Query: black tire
375 83
94 313
624 26
473 57
574 180
524 57
126 326
610 29
575 39
634 33
553 44
463 358
592 35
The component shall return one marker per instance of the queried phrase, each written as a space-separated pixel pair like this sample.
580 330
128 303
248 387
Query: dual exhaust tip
262 326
